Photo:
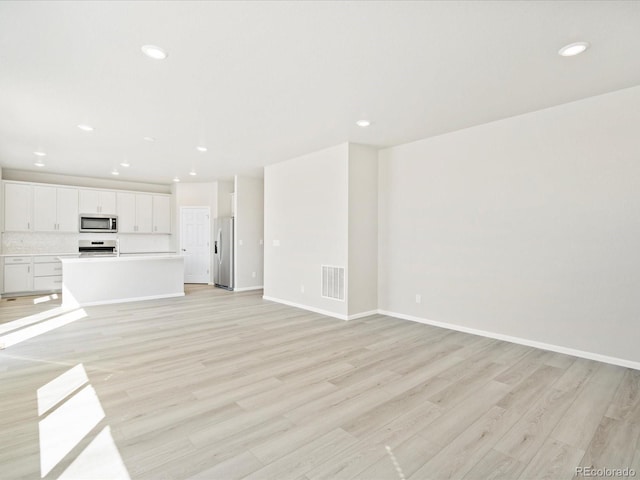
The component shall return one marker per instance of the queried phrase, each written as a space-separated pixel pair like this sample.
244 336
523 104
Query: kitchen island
101 280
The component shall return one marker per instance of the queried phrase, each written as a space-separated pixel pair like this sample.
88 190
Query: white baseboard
126 300
355 316
521 341
307 307
473 331
321 311
247 289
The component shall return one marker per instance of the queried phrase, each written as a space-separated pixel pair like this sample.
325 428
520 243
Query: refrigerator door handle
220 244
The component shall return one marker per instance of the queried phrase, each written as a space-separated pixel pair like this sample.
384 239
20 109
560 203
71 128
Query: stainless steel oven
98 248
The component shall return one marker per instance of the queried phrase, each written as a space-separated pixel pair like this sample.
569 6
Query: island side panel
114 280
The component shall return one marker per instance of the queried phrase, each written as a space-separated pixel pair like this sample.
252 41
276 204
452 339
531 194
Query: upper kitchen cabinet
134 213
161 214
55 209
97 201
17 207
144 214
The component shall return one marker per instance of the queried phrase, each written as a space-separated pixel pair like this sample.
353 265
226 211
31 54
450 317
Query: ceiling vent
333 282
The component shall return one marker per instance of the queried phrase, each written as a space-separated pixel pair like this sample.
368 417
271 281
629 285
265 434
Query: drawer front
45 259
47 269
13 260
47 283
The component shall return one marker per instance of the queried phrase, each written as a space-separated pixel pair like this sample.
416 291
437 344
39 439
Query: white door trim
181 237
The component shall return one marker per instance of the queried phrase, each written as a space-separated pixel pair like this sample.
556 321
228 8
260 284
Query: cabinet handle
28 225
29 269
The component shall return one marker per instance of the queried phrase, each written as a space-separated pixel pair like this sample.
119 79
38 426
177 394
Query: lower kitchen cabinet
30 274
47 273
18 275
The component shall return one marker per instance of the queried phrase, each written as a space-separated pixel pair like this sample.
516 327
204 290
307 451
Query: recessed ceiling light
201 149
154 52
85 127
192 173
363 123
39 163
176 179
573 49
40 154
115 172
125 164
149 139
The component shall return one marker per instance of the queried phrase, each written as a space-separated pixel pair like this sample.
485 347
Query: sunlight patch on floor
58 389
69 410
31 319
66 426
46 298
29 332
101 459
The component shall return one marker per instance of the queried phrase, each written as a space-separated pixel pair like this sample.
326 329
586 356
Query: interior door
195 232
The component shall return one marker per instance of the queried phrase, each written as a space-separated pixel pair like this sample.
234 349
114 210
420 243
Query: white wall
526 227
306 211
363 229
225 189
249 225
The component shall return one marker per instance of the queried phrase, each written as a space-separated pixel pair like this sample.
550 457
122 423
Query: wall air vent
333 282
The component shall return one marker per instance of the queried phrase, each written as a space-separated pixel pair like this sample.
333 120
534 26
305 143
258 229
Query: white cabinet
17 207
161 214
55 209
18 274
126 212
134 213
97 201
144 214
47 273
28 274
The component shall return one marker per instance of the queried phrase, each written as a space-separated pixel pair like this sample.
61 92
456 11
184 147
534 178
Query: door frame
180 238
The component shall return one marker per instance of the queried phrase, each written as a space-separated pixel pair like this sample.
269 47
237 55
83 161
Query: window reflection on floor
46 298
35 325
70 410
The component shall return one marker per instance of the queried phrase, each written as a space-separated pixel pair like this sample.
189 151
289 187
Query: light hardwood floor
220 385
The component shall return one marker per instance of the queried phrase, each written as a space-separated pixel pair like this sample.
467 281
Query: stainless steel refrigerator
223 252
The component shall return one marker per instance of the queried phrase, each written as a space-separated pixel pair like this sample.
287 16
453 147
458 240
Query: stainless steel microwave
93 222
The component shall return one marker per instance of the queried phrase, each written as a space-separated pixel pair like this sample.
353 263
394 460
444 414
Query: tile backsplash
28 243
16 242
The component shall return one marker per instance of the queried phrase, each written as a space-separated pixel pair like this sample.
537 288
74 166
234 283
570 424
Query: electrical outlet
253 274
240 242
261 241
276 243
418 298
301 288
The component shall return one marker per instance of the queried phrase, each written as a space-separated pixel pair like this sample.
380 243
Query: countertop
75 254
54 254
127 257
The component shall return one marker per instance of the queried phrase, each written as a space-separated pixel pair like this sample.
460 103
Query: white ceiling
261 82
